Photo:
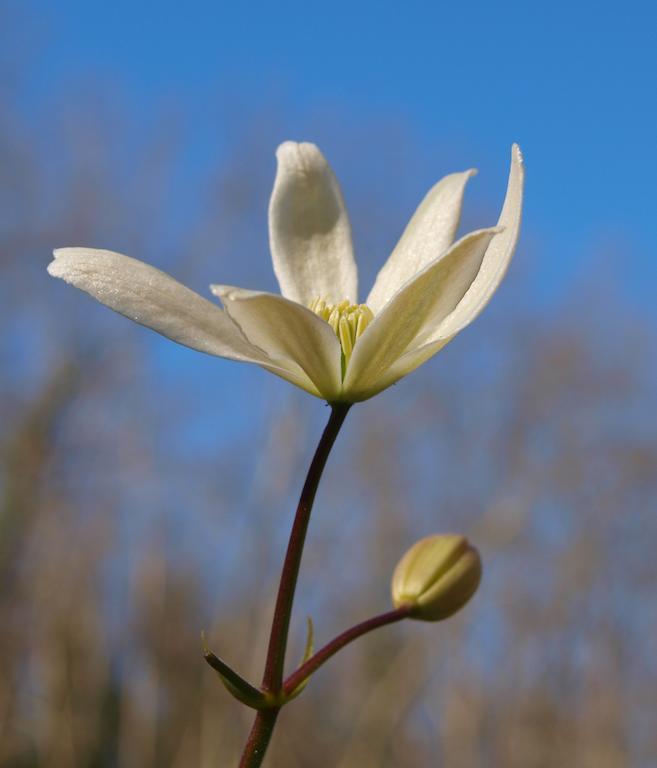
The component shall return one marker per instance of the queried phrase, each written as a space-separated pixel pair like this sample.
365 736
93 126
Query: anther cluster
347 320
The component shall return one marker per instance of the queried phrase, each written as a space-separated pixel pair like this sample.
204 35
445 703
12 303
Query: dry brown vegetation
146 493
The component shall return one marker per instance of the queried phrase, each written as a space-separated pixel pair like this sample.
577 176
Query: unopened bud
436 577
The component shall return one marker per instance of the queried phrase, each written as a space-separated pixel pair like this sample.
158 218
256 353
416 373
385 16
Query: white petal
431 295
154 299
497 258
494 266
428 234
309 230
286 329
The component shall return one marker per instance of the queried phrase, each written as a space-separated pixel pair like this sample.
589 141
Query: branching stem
339 642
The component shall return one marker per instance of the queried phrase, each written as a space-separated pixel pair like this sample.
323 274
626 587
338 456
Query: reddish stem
272 681
258 741
273 677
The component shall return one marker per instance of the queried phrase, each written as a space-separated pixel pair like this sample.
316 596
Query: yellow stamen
344 334
348 321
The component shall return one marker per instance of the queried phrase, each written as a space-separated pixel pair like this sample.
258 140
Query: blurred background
146 491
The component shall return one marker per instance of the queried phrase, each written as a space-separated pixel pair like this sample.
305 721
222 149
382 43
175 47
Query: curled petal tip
301 153
285 147
56 267
221 290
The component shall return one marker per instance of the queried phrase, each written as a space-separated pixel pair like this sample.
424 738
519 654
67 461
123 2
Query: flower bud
436 577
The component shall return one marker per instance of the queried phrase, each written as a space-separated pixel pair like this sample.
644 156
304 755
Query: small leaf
308 652
235 684
310 641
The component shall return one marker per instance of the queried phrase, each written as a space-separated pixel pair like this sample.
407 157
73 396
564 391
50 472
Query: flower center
347 320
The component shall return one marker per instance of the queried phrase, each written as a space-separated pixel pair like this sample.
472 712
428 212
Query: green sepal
308 652
235 684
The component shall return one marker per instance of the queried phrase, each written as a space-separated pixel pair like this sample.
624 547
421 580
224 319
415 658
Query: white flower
314 334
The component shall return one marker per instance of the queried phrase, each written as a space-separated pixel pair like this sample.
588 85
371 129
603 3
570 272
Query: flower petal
154 299
493 268
434 293
496 261
286 329
309 230
428 234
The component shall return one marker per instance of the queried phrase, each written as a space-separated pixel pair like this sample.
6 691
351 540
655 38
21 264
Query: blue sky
573 83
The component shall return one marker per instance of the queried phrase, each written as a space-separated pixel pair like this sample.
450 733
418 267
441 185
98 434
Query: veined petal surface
429 233
434 293
309 229
154 299
285 329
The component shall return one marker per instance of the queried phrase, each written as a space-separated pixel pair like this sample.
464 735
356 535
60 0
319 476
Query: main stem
272 681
